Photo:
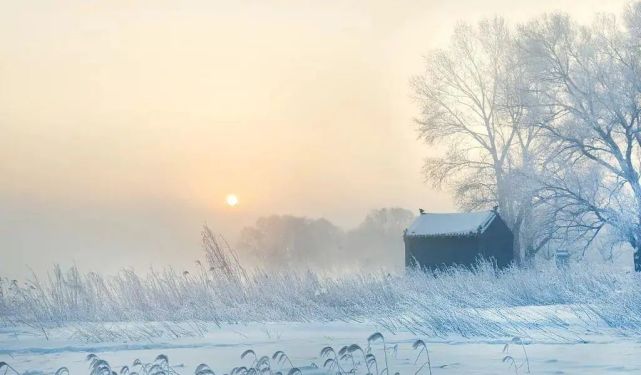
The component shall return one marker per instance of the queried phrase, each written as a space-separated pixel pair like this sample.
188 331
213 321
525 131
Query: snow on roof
450 224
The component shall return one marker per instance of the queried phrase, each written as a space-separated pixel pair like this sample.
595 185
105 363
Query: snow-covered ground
572 350
578 320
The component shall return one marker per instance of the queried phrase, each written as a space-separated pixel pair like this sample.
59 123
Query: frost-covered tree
589 87
475 98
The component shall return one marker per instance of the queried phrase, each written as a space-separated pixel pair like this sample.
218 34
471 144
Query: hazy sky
123 125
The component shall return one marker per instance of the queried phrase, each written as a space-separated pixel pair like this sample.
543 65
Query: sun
232 200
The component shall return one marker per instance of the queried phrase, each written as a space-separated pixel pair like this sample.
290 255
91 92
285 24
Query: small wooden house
436 240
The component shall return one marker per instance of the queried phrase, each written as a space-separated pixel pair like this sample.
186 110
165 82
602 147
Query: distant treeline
290 241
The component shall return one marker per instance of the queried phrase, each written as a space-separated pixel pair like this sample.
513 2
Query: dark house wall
441 251
495 243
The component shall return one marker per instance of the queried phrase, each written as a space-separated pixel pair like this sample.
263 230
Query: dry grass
457 301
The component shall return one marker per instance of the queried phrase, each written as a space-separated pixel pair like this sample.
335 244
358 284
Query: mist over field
306 188
125 125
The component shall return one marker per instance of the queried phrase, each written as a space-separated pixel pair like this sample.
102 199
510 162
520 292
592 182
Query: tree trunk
516 243
528 257
516 246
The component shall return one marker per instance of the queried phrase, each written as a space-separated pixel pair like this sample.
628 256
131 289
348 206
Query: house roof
450 224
